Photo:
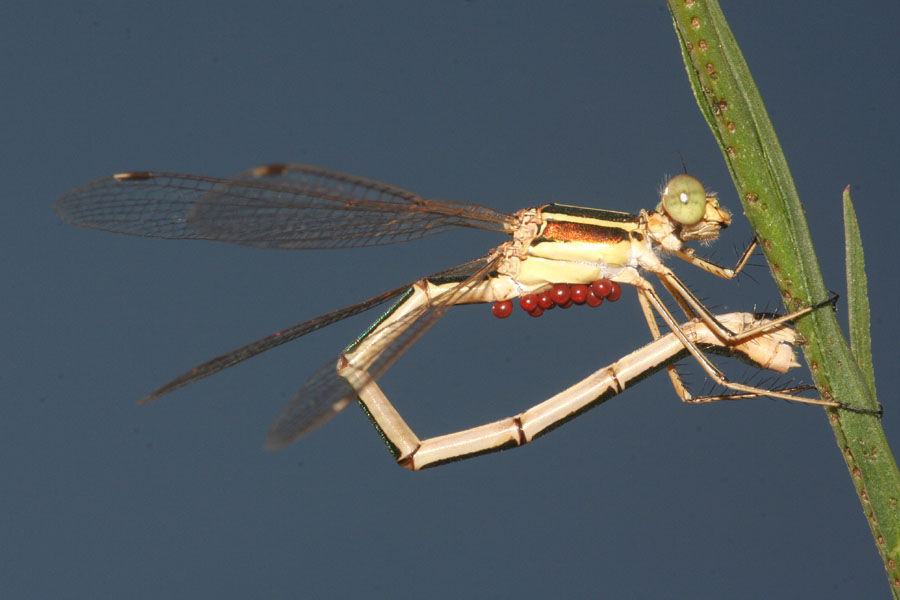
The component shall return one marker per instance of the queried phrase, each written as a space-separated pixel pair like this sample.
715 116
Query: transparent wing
278 206
326 393
267 343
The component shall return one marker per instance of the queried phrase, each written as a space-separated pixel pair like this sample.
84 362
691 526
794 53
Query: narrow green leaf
858 295
731 103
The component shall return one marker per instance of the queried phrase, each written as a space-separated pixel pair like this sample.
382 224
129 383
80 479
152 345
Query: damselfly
558 255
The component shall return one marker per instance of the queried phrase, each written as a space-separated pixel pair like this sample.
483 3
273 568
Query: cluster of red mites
562 295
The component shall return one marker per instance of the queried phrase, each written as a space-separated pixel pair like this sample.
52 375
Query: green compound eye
684 199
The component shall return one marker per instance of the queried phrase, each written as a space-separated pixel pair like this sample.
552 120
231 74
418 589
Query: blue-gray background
506 104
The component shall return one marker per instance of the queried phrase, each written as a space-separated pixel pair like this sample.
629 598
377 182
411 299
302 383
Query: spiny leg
684 295
688 311
686 298
717 270
711 369
744 396
677 383
732 339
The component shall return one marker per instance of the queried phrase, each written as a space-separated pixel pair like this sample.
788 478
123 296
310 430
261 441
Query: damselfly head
686 202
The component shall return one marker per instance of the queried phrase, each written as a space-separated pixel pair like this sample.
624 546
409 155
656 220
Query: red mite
502 309
562 295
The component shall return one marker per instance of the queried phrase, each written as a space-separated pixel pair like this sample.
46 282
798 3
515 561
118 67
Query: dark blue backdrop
506 104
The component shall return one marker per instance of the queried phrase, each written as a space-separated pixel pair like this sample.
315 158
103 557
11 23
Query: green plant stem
731 104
